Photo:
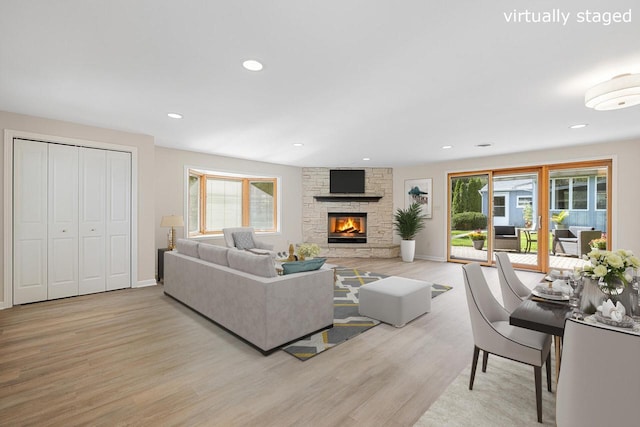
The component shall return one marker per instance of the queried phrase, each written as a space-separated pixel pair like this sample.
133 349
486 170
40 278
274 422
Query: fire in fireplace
347 227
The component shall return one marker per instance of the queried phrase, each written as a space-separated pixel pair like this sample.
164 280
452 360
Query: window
499 206
570 193
601 192
218 201
524 201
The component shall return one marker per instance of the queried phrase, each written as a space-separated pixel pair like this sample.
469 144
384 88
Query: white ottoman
395 300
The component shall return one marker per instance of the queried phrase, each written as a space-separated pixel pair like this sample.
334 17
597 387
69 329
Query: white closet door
29 221
118 220
93 209
63 221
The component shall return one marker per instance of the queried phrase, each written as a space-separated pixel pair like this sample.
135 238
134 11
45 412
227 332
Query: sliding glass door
516 216
579 207
545 217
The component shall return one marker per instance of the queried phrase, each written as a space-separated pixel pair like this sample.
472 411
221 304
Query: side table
160 275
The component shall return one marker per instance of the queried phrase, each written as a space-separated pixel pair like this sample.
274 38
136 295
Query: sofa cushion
300 266
260 265
243 240
213 253
187 247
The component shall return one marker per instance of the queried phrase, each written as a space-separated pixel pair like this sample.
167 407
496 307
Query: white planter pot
408 250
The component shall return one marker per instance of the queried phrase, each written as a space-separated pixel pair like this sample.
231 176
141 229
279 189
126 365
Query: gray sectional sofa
242 292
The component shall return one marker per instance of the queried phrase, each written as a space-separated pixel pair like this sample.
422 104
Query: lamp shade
620 92
172 221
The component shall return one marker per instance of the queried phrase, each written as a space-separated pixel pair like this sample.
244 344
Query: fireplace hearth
347 227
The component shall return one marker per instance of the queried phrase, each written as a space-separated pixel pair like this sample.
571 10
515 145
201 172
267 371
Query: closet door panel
29 221
63 221
118 220
92 249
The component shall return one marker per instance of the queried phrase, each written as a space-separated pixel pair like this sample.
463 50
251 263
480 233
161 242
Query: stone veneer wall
378 181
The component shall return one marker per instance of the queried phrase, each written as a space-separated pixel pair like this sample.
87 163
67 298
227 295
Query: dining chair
513 290
493 334
599 381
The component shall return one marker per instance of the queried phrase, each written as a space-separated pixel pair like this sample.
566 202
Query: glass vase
592 296
612 288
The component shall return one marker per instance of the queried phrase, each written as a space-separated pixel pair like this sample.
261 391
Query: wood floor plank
138 357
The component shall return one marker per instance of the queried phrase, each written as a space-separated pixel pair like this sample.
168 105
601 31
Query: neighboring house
584 197
509 199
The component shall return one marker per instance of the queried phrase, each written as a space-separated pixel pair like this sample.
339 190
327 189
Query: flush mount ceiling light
174 115
578 126
297 144
366 159
446 147
620 92
252 65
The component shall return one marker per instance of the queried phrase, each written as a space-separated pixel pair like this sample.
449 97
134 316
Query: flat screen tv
346 181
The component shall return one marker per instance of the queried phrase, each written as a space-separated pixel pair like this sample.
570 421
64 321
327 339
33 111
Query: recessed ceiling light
298 144
446 147
366 159
252 65
578 126
484 145
174 115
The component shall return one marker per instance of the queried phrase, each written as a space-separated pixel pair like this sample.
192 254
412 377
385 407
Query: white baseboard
145 283
431 258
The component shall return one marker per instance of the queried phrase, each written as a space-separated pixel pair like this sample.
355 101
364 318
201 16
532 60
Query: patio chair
574 241
493 334
531 236
506 237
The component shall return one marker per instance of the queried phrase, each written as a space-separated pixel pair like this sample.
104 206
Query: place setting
557 287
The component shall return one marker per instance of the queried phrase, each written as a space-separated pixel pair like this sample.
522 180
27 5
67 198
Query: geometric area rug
347 322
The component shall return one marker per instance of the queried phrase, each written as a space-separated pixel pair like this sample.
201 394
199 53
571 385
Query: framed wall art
419 191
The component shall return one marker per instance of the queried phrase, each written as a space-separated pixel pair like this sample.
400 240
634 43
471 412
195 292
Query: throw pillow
300 266
187 247
213 253
243 240
258 265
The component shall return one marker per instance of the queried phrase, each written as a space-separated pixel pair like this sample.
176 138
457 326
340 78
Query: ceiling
393 81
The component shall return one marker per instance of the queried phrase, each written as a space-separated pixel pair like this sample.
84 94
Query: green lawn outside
463 240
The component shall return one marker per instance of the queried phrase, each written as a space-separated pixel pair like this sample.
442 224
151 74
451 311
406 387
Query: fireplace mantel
348 197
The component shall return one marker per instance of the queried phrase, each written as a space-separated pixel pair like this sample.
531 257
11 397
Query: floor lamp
172 221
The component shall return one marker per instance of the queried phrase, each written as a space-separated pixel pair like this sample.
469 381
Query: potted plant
408 222
558 219
477 238
308 250
527 215
600 244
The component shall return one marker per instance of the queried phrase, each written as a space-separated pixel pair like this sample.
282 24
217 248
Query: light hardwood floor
137 357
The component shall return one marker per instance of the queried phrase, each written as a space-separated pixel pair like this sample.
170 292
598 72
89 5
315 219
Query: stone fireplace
347 227
375 226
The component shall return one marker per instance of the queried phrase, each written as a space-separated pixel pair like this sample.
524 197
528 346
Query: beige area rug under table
502 396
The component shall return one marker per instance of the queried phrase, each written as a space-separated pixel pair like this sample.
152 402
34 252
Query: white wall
170 189
432 244
146 193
